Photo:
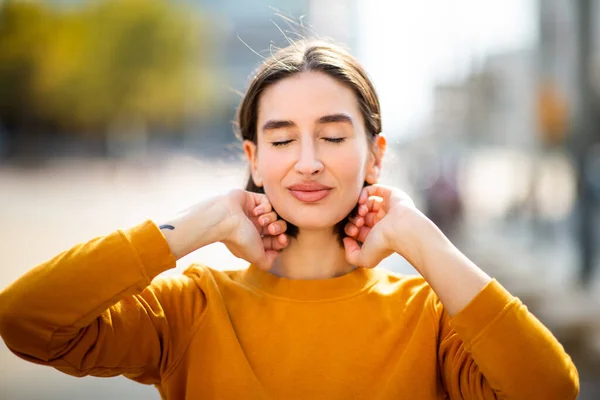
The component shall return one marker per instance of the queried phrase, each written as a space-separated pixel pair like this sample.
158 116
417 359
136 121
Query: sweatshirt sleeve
496 349
92 310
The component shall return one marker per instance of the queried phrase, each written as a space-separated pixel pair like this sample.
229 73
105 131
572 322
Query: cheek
349 171
350 168
272 167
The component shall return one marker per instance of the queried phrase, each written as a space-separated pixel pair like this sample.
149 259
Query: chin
313 219
310 216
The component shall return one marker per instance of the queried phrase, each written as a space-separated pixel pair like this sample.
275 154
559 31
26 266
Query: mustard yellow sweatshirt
96 310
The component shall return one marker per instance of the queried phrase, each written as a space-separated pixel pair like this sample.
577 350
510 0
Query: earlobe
373 175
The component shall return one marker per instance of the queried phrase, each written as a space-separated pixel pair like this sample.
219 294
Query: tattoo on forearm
170 227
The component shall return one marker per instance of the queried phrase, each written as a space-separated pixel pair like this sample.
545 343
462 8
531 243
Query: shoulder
185 296
205 278
176 290
412 290
396 282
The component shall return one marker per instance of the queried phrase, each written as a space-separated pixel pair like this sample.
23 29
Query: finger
351 250
363 209
364 256
269 242
351 247
276 243
267 218
374 203
276 228
364 195
263 204
357 220
377 190
351 230
283 241
362 233
270 256
370 219
373 218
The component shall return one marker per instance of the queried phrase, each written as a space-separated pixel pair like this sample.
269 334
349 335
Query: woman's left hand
388 222
384 224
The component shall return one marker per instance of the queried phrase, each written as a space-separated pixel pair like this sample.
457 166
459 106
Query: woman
310 318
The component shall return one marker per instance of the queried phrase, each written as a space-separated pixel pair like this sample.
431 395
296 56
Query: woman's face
312 155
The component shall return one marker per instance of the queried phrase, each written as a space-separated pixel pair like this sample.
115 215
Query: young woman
310 318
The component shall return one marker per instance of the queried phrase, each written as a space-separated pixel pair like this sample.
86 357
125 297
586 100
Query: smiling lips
309 192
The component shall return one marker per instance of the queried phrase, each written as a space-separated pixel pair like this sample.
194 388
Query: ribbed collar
311 290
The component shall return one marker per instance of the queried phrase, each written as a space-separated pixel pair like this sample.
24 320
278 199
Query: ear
376 158
252 155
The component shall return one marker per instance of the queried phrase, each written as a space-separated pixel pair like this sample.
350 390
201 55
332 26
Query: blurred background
112 111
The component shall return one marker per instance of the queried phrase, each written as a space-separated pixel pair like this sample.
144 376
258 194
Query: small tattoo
171 227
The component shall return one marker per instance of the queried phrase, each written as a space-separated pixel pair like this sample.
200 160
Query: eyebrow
326 119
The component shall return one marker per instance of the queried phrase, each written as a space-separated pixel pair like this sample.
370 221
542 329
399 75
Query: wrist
418 237
196 227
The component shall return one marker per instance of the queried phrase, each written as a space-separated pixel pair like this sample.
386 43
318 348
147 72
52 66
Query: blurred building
558 50
510 135
493 106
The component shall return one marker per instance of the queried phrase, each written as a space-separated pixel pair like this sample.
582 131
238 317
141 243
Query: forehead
307 96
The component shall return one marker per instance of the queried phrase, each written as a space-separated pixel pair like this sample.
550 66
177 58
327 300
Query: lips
309 192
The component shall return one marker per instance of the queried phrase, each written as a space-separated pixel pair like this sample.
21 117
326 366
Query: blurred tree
21 27
114 66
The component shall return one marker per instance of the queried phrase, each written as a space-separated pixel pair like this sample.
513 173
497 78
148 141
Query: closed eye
281 143
334 140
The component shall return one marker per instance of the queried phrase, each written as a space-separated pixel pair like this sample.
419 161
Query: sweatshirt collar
346 285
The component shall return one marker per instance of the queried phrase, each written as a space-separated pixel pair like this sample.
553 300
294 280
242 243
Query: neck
314 254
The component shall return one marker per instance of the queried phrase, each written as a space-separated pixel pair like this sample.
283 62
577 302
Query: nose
308 161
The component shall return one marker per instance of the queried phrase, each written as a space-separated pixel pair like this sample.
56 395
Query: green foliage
90 67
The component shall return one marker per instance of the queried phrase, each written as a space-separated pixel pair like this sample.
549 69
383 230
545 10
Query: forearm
195 227
453 277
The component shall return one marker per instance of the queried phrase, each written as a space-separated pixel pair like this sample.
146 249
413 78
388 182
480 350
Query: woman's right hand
244 221
254 232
